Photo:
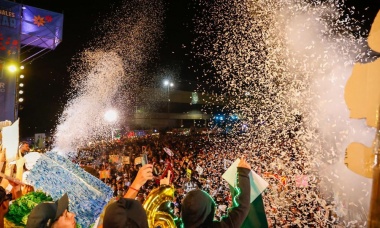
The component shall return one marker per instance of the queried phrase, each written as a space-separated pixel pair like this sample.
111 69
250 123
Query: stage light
20 99
21 84
22 67
12 68
21 92
22 76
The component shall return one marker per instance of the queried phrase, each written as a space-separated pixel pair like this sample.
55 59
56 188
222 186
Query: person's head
198 209
24 147
125 213
4 200
52 215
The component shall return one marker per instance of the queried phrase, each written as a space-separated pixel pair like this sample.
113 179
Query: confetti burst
281 66
109 72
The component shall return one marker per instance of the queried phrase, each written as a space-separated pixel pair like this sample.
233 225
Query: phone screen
144 159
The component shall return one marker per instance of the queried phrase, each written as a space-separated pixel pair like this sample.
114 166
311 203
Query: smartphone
144 159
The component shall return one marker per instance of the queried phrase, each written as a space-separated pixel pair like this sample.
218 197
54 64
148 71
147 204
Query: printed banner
41 28
7 95
125 159
114 158
10 22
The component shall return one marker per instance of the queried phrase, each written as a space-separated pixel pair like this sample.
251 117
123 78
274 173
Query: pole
374 210
168 98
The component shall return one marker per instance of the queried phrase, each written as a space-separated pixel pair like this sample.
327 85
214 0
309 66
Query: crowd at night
196 162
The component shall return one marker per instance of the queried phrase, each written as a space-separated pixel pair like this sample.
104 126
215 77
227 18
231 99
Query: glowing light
12 68
111 116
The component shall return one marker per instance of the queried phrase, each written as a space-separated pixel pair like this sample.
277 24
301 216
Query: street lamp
168 84
111 117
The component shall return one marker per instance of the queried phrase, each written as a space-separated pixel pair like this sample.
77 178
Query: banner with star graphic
10 14
41 28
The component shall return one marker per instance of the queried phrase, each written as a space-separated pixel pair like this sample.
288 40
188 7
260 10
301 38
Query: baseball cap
44 214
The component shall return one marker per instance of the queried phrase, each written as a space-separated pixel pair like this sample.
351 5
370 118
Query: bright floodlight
110 116
20 99
22 76
166 82
171 84
22 67
12 68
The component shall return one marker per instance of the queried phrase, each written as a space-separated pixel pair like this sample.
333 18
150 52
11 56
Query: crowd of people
188 159
196 162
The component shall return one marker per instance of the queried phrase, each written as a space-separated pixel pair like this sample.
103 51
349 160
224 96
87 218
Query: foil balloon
157 198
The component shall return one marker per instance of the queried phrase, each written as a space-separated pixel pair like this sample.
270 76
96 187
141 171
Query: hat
125 213
197 209
44 214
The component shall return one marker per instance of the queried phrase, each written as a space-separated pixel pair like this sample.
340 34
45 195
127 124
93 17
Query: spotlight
12 68
22 76
21 84
21 92
20 99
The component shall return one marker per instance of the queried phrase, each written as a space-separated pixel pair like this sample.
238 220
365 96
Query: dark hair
4 196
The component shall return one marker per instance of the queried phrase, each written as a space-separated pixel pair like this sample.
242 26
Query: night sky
47 78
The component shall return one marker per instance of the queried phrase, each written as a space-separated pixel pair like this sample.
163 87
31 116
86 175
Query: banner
41 28
114 158
10 22
7 95
125 159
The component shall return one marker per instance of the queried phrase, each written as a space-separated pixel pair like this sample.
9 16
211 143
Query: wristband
133 188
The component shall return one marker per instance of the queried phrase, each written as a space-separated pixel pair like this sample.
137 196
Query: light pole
111 117
168 84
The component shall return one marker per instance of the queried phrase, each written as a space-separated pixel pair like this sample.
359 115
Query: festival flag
168 151
42 24
256 217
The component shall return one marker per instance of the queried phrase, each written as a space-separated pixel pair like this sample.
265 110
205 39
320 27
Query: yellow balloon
154 200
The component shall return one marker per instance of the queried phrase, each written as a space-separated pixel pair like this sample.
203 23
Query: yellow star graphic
39 21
